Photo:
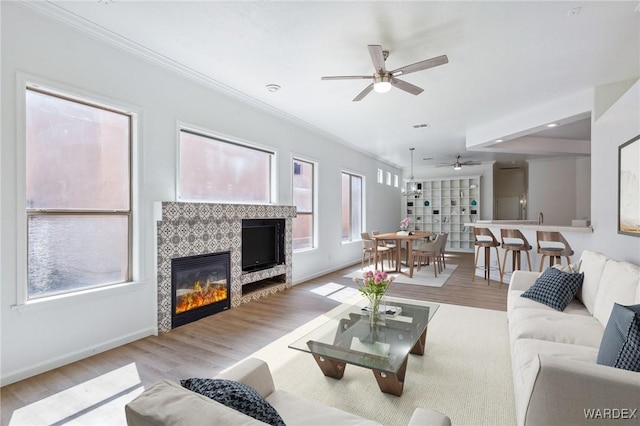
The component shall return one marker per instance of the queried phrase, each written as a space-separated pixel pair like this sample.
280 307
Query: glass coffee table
350 338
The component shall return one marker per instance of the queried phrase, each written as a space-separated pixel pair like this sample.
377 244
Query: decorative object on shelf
426 203
373 286
464 210
461 194
413 190
474 202
454 202
436 212
474 211
410 204
419 218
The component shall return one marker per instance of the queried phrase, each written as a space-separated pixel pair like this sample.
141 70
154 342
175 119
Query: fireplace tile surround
189 229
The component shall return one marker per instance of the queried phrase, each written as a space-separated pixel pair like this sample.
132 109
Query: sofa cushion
620 345
235 395
619 284
169 404
573 268
592 265
555 326
554 288
300 411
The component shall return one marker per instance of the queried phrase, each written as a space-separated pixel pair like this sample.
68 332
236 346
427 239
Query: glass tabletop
350 337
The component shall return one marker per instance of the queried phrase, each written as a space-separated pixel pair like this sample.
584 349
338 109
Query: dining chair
369 249
388 244
430 251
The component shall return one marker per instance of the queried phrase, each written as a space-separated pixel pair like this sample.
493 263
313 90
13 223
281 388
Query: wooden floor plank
208 346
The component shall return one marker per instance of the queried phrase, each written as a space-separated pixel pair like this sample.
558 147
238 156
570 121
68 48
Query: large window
78 194
303 199
352 201
213 169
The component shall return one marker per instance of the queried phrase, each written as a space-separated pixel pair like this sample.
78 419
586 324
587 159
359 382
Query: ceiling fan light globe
382 86
457 166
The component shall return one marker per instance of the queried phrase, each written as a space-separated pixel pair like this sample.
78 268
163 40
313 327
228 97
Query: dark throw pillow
236 395
555 288
620 346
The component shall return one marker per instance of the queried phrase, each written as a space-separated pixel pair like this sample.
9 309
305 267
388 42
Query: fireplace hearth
200 286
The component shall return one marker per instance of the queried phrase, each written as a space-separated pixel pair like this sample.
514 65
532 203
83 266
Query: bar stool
485 238
555 252
516 245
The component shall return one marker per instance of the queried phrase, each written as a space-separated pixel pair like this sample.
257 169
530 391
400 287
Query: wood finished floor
204 348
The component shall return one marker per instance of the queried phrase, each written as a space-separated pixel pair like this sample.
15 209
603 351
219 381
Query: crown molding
59 14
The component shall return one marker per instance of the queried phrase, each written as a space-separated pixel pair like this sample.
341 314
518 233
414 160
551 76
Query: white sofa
555 375
168 403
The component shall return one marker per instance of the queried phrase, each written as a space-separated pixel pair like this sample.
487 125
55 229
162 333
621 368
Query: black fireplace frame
204 311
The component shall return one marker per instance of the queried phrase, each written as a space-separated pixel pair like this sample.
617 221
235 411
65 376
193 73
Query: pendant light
411 190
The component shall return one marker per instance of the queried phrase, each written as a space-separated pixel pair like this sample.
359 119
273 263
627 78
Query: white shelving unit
444 206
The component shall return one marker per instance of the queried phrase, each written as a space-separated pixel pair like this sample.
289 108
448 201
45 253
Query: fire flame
201 295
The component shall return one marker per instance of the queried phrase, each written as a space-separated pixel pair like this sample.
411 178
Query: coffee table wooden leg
418 348
391 383
330 367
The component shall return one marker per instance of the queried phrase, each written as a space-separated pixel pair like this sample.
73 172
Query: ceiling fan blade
422 65
364 93
470 163
377 57
347 77
407 87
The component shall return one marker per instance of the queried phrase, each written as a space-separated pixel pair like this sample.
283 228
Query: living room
46 47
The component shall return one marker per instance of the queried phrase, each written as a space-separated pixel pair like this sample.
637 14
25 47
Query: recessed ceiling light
499 140
272 87
427 158
552 125
421 125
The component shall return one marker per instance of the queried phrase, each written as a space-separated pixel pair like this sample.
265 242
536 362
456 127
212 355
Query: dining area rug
423 277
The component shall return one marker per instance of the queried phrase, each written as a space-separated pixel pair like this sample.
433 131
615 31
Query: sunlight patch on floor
98 401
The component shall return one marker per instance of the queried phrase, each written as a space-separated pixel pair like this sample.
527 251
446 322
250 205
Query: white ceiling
503 57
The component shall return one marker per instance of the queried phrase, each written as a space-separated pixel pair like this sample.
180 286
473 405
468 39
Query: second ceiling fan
383 80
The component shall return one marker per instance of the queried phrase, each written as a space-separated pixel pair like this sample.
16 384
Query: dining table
400 239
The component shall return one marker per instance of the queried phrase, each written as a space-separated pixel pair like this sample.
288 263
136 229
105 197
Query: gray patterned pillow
620 346
555 288
236 395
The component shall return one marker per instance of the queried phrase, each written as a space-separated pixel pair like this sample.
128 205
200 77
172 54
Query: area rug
423 277
465 372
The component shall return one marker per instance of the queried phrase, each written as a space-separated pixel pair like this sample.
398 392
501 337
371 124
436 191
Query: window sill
72 299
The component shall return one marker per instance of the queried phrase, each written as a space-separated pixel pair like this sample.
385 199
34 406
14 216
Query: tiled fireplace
193 229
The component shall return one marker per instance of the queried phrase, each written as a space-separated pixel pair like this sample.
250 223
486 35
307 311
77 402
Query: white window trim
315 198
24 81
188 127
358 239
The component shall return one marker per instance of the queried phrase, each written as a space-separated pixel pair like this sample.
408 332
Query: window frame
363 225
25 82
223 138
314 200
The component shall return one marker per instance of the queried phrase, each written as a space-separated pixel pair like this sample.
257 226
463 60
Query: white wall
41 336
620 123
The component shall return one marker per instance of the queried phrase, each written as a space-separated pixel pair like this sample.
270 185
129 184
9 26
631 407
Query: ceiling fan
383 79
457 165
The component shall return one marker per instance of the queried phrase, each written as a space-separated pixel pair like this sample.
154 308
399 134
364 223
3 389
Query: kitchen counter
527 224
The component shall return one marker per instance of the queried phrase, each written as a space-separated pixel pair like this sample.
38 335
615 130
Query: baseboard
15 376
